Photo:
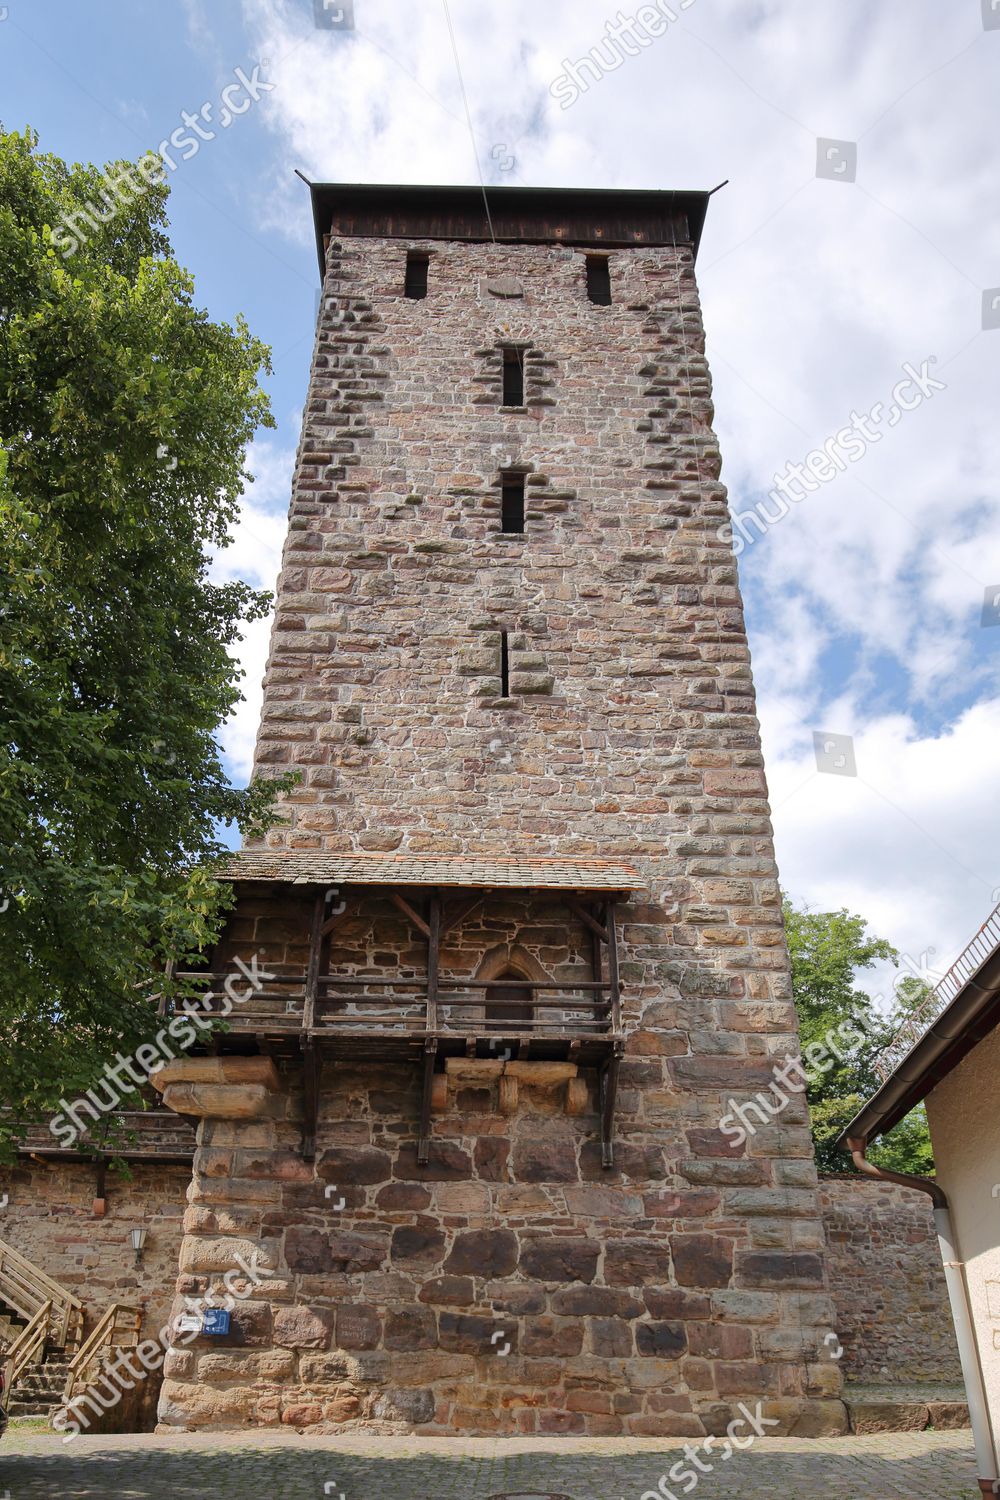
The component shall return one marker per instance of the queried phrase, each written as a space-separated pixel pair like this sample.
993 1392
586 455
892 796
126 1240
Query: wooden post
597 967
161 1008
312 968
311 1066
310 1056
609 1093
427 1098
613 974
433 956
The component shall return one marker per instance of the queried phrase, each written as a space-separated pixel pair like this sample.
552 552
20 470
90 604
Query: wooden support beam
408 911
433 959
588 919
608 1096
613 972
597 960
311 1068
313 966
161 1008
426 1102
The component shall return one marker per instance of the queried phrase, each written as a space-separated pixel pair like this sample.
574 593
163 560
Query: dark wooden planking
518 215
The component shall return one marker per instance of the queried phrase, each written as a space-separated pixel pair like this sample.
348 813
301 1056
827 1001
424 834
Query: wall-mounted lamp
138 1237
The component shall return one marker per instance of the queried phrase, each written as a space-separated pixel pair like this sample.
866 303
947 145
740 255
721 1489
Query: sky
850 282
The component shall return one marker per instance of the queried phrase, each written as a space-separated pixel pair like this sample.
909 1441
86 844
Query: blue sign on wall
215 1321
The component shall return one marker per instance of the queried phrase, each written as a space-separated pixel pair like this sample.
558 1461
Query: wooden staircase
118 1328
38 1389
41 1324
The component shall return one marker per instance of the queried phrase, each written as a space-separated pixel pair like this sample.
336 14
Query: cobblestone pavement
284 1466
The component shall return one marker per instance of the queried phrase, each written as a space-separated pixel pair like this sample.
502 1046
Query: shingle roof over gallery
469 871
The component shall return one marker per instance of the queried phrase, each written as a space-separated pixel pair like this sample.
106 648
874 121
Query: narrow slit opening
599 280
504 666
513 376
512 504
417 262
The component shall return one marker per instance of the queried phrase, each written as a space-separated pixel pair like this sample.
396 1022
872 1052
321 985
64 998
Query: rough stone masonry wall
884 1265
512 1285
630 732
49 1218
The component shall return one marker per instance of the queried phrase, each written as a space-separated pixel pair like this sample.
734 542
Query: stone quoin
520 924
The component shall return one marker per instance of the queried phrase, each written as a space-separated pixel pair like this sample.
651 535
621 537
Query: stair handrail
100 1335
25 1287
29 1343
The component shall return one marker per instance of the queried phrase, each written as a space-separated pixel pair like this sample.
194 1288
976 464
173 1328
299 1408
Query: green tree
828 950
124 418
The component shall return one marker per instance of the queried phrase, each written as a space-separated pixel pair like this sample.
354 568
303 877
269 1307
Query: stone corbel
509 1075
219 1088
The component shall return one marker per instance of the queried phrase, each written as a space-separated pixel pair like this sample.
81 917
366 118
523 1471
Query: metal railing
982 947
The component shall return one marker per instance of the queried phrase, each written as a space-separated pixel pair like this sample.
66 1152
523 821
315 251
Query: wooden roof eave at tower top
598 217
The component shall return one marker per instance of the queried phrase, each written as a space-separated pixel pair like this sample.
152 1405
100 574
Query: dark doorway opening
509 999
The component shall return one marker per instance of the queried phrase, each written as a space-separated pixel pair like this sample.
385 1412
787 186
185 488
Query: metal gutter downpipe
958 1297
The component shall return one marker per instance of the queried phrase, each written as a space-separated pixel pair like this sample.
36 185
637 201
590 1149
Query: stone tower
519 935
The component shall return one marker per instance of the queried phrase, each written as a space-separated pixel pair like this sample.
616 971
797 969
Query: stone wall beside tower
512 1282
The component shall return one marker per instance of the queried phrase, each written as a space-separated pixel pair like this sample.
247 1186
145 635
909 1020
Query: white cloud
909 842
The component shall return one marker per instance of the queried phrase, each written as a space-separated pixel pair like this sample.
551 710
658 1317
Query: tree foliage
124 417
828 950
